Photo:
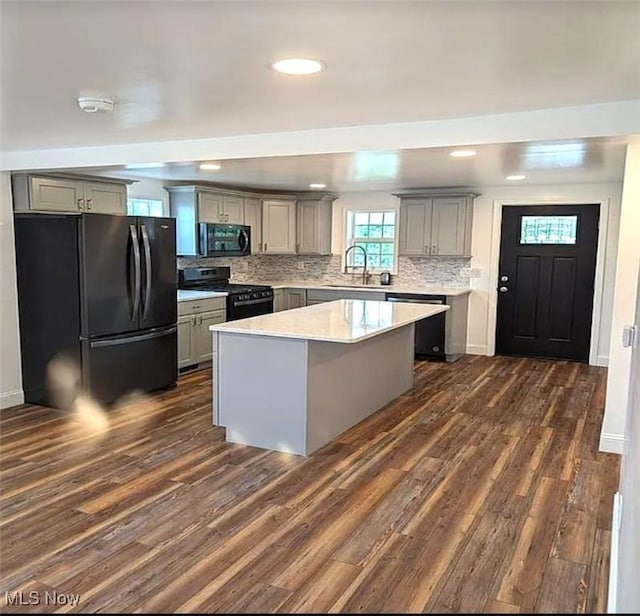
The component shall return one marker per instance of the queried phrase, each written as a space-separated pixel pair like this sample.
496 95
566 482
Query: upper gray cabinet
279 226
313 225
191 205
436 225
67 194
253 218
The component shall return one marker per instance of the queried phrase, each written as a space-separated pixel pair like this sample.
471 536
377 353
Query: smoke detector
91 105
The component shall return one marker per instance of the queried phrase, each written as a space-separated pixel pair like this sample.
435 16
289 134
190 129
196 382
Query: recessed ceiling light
516 177
210 167
317 185
92 105
298 66
462 153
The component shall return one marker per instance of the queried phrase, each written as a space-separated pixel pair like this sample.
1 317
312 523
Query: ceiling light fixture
210 167
317 185
92 105
515 178
462 153
298 66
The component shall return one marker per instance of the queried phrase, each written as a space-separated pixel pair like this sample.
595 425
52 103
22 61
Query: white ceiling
575 161
184 70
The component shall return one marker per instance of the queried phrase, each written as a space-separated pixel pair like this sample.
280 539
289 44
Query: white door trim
595 357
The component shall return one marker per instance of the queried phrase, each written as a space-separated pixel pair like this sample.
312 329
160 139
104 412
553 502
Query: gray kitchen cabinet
209 207
104 198
186 342
214 207
435 225
194 338
415 227
68 194
203 345
279 300
233 209
313 225
279 226
295 298
253 218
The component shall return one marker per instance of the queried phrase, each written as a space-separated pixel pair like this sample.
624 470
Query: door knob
503 289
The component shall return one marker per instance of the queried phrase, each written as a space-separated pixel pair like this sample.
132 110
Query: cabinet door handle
265 246
200 321
426 250
81 204
89 202
226 217
195 321
297 247
434 250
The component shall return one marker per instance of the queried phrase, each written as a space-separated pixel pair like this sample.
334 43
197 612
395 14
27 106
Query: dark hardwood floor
480 490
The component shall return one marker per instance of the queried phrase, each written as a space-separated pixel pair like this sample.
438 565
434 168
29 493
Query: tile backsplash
452 272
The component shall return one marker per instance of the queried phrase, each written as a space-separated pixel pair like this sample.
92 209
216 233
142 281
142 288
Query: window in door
375 232
145 207
548 229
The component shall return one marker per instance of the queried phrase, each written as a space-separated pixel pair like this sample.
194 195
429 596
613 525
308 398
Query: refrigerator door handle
127 339
137 271
148 264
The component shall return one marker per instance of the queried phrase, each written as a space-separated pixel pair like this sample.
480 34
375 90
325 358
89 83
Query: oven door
218 240
249 308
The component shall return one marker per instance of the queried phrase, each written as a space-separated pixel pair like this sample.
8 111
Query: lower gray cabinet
195 344
296 298
279 300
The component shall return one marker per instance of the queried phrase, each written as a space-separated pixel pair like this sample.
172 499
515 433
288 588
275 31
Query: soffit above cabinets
563 162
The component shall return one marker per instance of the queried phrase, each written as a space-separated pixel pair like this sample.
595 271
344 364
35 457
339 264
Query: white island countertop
344 320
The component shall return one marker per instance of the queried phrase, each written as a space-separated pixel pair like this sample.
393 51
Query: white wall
624 587
624 300
10 371
485 249
150 189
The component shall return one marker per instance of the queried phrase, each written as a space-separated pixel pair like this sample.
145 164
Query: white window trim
345 240
141 198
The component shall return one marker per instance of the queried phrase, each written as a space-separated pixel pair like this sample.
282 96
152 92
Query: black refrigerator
99 292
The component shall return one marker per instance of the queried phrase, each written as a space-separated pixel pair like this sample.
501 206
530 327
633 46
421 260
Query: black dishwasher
430 332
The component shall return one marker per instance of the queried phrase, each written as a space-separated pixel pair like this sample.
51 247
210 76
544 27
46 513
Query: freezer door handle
148 265
127 339
137 271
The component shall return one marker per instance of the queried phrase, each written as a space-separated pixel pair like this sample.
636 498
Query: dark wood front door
545 280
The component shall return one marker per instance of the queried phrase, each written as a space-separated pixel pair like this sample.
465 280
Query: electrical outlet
300 265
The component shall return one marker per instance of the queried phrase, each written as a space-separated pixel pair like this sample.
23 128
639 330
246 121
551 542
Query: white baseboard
611 443
601 360
477 349
11 398
612 599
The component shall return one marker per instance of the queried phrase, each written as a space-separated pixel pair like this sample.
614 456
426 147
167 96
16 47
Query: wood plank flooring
480 490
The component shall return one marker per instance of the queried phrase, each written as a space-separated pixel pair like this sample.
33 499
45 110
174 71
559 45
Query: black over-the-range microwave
218 240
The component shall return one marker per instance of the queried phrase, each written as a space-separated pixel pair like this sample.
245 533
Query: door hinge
630 336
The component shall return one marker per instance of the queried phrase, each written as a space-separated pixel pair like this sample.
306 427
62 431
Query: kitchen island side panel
261 390
347 383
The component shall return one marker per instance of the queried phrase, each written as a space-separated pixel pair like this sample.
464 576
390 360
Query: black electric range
243 300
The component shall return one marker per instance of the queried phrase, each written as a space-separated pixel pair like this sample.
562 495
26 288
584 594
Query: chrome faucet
346 262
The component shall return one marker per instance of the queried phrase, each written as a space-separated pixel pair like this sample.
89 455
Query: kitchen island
292 381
